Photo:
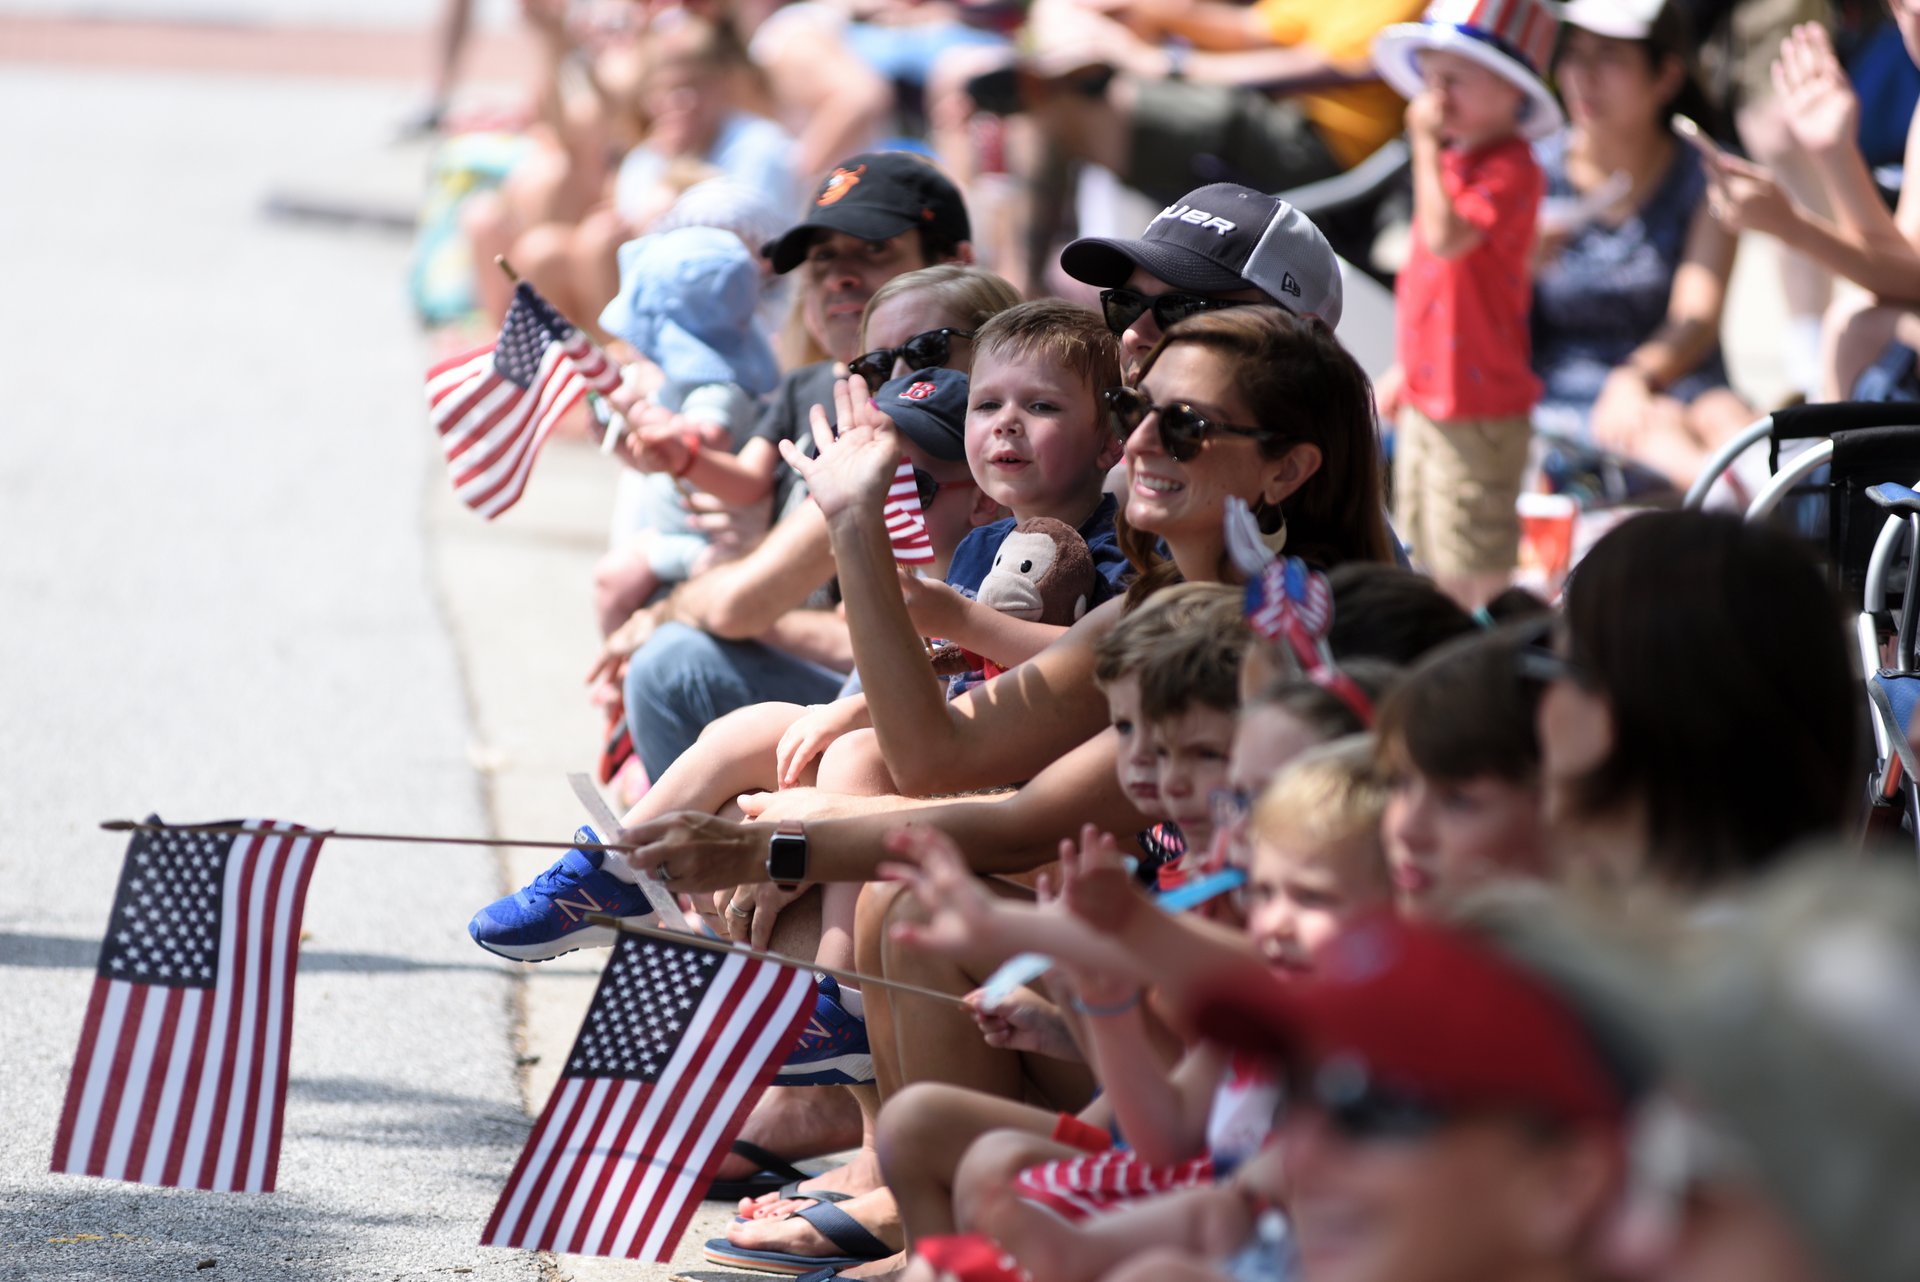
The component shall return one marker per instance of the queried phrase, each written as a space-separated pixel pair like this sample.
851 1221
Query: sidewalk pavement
516 592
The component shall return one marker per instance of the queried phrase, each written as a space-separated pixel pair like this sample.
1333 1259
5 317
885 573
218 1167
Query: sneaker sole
590 937
840 1070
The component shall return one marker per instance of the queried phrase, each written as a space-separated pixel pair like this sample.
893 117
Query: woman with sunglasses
1701 713
1251 404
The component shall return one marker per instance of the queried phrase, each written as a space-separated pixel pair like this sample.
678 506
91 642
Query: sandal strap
768 1160
845 1232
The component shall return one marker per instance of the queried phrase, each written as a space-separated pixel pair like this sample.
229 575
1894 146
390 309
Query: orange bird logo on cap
839 183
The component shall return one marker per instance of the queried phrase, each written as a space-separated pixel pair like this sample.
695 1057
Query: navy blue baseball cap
929 406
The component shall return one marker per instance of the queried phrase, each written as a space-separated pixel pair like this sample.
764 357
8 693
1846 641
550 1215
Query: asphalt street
216 600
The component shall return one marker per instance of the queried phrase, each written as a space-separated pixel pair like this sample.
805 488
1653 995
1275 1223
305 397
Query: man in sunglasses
1456 1105
733 636
1222 245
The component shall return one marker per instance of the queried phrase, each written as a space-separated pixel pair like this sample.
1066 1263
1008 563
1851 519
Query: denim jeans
682 678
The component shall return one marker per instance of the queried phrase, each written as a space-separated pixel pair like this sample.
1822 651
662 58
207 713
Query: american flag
677 1045
181 1074
493 407
906 523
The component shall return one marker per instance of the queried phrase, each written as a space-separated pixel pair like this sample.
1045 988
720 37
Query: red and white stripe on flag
676 1047
181 1076
906 523
494 407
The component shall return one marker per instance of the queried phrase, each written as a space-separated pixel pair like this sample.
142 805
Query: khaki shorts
1454 488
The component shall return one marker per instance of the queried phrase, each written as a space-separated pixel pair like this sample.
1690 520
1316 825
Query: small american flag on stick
906 522
677 1045
494 407
181 1076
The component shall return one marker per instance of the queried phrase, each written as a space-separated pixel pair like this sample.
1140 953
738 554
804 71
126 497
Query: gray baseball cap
1221 238
1795 1028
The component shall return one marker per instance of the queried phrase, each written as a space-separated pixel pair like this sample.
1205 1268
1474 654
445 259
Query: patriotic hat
929 406
1513 38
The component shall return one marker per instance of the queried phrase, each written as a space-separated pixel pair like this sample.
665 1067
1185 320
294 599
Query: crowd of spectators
1071 625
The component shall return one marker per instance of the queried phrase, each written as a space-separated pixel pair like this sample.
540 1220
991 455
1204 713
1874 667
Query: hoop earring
1273 527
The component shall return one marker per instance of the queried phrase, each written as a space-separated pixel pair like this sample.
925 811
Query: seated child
687 301
1462 763
1038 444
1317 866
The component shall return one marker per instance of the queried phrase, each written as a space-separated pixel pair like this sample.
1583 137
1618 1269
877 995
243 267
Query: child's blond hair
1330 793
1065 334
1183 646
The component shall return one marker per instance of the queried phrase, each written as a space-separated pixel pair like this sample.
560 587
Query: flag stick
333 834
500 261
720 946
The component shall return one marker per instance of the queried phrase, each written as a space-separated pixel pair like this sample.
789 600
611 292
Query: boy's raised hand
857 460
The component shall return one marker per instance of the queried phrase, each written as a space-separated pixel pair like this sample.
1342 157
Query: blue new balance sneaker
833 1050
548 918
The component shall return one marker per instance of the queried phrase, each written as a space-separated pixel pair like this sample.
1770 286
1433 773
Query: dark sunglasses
1363 1110
1182 427
1122 307
922 351
929 489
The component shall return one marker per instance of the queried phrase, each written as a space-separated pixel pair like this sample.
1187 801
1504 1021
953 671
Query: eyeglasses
1122 307
929 489
1361 1109
1182 427
922 351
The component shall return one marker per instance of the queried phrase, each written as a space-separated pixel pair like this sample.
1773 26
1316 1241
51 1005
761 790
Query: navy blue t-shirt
974 558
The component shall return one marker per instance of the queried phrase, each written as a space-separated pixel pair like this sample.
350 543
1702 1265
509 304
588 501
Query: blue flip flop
834 1224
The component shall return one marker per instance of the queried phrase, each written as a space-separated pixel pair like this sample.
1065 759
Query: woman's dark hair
1466 711
1385 612
1719 649
1304 389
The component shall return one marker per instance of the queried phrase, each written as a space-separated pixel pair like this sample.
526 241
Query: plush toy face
1043 573
1013 585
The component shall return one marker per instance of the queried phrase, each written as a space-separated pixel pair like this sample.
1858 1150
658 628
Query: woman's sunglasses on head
1182 427
922 351
1122 307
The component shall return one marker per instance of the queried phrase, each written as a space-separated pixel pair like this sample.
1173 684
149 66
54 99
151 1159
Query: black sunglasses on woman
1182 427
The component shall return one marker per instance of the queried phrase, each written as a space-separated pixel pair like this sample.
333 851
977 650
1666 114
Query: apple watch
787 855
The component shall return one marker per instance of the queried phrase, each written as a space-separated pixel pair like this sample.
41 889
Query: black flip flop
776 1173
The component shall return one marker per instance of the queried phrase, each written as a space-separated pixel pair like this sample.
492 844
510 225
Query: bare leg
924 1133
596 265
944 1045
1858 329
987 1171
852 765
622 582
734 754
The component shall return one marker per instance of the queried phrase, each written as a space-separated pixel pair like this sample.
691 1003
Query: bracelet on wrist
1100 1009
691 442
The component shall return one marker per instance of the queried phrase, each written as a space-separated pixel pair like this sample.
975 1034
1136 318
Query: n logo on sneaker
577 909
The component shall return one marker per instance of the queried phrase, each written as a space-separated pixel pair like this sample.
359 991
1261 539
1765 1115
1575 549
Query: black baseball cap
1218 239
876 196
929 406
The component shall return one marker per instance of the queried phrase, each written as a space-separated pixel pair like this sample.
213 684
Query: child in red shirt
1463 391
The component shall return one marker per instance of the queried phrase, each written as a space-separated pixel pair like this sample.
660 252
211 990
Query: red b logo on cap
919 392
